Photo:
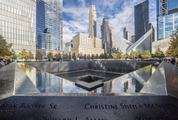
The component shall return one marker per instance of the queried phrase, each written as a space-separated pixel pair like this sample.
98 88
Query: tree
146 54
117 55
134 55
92 56
65 56
88 56
159 53
50 56
70 56
125 56
30 55
97 56
173 48
80 56
24 55
74 56
5 49
85 56
58 56
39 56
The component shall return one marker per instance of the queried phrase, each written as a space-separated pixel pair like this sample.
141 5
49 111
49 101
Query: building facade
167 23
167 18
141 16
18 24
49 18
106 35
82 44
128 35
40 25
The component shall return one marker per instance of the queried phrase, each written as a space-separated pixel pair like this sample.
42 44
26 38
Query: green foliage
134 55
39 56
85 56
97 56
5 49
125 56
65 56
173 48
92 56
50 56
146 54
117 55
80 56
74 56
88 56
24 54
159 53
30 55
58 56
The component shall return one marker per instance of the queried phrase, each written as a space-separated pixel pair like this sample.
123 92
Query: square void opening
90 78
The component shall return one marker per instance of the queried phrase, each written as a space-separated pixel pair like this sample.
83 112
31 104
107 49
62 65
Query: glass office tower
167 18
40 29
141 15
49 24
106 36
18 23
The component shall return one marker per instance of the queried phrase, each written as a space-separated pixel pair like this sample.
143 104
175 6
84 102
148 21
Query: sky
119 12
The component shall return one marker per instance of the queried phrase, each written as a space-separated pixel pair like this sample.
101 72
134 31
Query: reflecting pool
30 81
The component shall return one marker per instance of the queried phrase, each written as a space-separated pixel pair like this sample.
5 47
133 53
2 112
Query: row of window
167 25
19 9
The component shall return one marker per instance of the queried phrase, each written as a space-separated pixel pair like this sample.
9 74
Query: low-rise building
85 45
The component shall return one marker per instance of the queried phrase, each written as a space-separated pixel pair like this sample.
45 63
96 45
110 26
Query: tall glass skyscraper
49 24
106 36
40 25
167 18
18 23
141 15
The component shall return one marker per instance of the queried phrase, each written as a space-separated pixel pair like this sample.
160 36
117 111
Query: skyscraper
106 36
167 23
40 25
141 19
18 23
84 44
127 35
167 18
92 22
49 17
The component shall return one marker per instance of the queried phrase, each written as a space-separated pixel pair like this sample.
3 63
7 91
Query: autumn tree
159 53
134 54
5 49
146 54
39 55
24 55
50 56
173 48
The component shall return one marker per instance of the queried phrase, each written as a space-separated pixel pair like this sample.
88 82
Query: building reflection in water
47 83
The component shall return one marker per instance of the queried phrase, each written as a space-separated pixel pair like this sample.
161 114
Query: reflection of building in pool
107 87
48 83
